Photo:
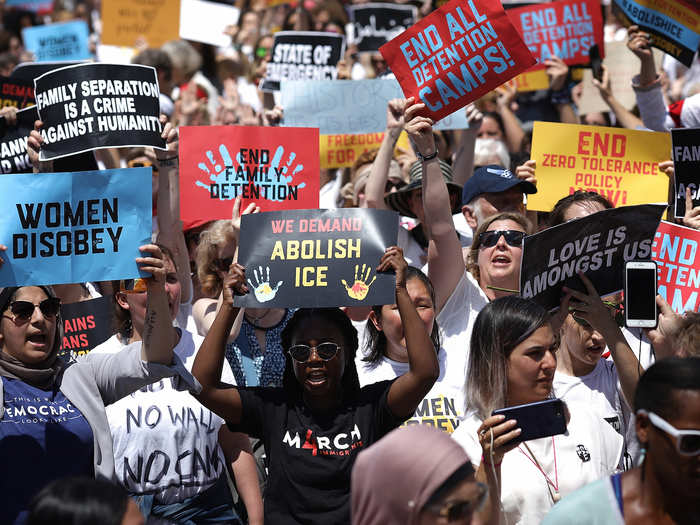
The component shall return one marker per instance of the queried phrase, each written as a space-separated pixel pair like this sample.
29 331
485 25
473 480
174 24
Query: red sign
565 29
676 249
455 55
276 168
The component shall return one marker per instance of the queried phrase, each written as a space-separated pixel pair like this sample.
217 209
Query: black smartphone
596 62
537 420
640 294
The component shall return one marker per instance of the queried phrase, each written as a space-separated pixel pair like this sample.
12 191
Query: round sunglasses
490 238
302 353
23 310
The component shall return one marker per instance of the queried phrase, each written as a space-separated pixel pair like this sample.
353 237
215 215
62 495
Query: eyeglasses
132 285
687 441
456 510
23 310
490 238
223 264
302 353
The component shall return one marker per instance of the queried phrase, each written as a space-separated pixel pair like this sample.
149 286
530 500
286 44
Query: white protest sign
206 22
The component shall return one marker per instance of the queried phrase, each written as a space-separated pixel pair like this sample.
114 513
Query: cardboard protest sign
86 324
16 93
686 164
565 29
673 24
206 22
373 25
457 54
341 151
277 168
620 164
13 142
303 55
126 21
317 258
345 107
675 250
64 41
597 245
36 6
74 227
93 106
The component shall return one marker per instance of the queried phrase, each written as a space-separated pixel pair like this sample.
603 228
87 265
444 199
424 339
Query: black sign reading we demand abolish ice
92 106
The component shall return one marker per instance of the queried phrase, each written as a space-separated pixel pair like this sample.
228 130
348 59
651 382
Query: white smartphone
640 294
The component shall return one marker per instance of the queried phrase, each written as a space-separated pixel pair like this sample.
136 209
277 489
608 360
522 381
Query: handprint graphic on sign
261 287
360 288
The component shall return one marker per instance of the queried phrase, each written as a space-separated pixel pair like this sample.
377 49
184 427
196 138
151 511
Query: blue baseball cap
493 179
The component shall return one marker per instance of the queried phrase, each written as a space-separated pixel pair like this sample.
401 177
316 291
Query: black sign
686 164
16 93
597 245
373 25
92 106
31 70
303 55
317 258
86 325
13 142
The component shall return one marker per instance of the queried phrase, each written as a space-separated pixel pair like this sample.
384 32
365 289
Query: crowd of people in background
366 415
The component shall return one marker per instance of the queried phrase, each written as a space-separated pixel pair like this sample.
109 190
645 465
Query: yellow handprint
360 287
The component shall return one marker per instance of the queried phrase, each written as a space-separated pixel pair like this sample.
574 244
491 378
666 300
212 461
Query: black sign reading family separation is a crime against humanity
597 245
317 258
92 106
686 164
86 324
373 25
303 55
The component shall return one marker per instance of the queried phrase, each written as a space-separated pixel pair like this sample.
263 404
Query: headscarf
43 374
394 478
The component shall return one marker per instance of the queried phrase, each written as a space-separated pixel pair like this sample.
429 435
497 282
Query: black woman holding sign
314 426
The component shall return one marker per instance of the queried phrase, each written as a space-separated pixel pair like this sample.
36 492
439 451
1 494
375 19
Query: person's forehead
316 329
514 192
505 224
30 292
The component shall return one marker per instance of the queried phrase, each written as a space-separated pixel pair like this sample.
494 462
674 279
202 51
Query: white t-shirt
165 441
589 450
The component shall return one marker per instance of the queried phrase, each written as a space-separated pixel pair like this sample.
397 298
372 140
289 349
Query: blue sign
65 41
73 227
37 6
341 107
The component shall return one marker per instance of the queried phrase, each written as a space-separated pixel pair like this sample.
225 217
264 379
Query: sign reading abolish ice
686 164
93 106
277 168
674 24
373 25
456 54
620 164
303 55
317 258
565 29
16 93
675 250
74 227
597 245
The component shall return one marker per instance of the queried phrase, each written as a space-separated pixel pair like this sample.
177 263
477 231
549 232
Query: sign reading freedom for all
317 258
74 227
277 168
303 55
86 324
597 245
620 164
674 24
13 142
373 25
565 29
675 250
686 164
93 106
457 54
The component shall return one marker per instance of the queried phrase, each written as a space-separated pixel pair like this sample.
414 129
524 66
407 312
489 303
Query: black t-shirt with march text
310 458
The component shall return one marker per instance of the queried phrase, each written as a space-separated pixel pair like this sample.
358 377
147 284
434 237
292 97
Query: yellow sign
125 21
620 164
538 79
341 151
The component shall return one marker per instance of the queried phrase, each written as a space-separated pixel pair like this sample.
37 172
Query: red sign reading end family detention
461 51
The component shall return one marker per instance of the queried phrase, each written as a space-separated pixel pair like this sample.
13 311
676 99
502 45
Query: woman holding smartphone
512 362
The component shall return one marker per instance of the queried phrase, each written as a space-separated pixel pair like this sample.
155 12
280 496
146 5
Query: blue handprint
263 291
217 171
282 179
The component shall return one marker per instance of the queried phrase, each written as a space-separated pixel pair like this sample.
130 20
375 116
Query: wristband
425 158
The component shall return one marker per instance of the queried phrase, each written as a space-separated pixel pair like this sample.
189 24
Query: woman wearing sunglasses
314 426
52 412
665 487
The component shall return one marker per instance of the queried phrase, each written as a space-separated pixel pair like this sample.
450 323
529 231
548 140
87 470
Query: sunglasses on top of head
23 310
302 353
490 238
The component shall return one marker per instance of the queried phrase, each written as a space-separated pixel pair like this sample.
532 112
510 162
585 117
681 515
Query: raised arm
513 128
623 115
224 400
409 389
463 166
647 88
558 73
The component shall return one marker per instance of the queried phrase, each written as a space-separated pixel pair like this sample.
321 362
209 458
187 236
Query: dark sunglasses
23 310
132 286
512 237
223 264
302 353
460 509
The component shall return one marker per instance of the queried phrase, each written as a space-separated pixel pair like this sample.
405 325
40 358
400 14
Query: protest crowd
388 272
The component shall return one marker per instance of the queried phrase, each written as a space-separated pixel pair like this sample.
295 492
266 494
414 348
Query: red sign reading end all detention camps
457 54
276 168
